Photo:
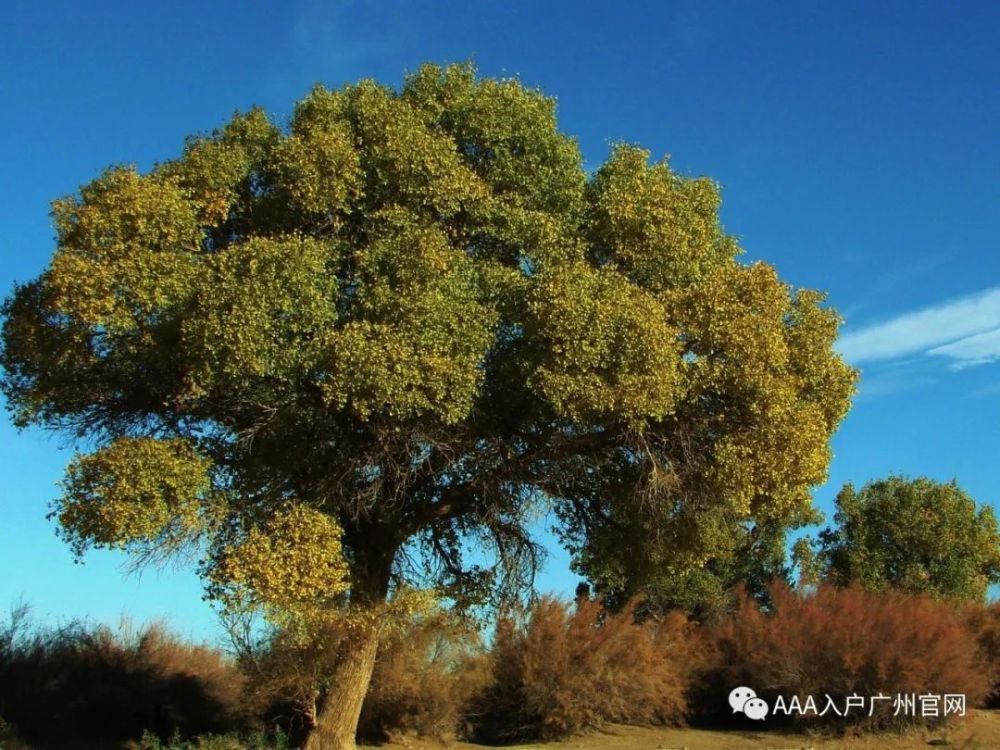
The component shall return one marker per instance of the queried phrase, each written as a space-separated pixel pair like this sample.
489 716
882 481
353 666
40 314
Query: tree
752 558
917 535
331 357
806 562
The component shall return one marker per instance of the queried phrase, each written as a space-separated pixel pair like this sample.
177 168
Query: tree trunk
337 720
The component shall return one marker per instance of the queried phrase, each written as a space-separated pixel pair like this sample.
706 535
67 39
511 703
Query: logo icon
744 700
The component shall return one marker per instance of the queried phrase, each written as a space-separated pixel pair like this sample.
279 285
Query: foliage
558 672
840 642
135 492
753 558
806 561
917 535
414 312
291 564
81 685
256 741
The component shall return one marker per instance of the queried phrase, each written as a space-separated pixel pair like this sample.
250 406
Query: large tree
334 355
917 535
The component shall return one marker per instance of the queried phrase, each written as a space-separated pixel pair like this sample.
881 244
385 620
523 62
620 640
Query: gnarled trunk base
337 720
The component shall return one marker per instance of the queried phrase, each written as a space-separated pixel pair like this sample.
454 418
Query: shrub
256 741
843 642
984 622
425 677
85 685
285 677
559 671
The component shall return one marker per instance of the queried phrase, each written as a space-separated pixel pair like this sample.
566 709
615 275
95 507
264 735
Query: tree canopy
751 561
917 535
404 322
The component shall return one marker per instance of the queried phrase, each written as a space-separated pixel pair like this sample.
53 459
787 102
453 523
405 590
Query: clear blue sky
857 144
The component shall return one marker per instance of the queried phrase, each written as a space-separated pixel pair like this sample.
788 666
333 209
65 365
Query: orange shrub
424 679
560 671
842 642
984 623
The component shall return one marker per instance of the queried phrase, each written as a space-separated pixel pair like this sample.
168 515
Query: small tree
917 535
402 325
806 562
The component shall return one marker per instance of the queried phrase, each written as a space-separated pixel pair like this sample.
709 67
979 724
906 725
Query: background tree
332 356
752 558
917 535
806 562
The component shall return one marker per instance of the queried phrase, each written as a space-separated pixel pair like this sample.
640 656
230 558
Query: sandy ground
980 730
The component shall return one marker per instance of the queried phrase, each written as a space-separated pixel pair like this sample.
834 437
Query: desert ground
980 730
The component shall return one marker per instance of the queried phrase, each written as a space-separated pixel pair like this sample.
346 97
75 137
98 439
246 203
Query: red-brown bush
841 642
984 623
425 677
559 671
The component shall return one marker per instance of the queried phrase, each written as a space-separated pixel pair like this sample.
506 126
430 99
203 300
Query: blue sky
857 144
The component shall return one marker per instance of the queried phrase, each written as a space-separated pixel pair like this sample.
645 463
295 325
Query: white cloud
980 349
957 329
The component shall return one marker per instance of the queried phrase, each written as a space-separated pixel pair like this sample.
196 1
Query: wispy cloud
980 349
966 330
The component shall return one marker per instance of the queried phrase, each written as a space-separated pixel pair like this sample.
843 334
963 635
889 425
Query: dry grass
979 731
